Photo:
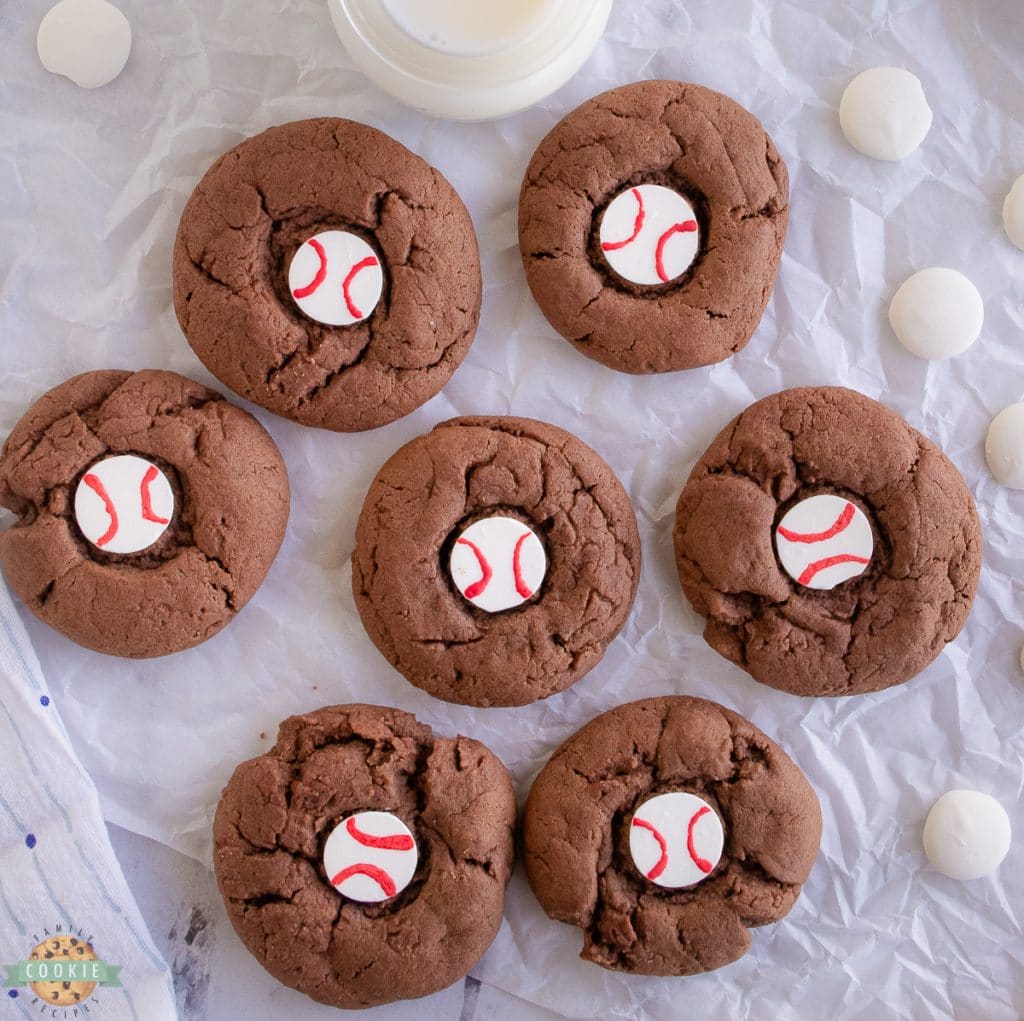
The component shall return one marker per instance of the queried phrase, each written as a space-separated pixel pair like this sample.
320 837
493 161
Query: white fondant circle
823 541
1004 447
1013 213
884 113
676 839
497 563
649 234
87 41
335 277
360 865
937 313
967 834
123 504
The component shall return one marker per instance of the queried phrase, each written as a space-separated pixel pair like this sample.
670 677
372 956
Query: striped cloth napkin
66 913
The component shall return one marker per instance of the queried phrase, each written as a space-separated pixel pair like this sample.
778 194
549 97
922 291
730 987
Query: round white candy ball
967 834
937 313
1004 447
1013 213
88 41
884 114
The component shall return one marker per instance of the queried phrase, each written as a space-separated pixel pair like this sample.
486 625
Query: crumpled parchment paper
92 185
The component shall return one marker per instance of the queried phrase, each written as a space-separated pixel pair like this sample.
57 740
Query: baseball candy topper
649 234
123 504
676 839
336 278
497 563
823 541
370 857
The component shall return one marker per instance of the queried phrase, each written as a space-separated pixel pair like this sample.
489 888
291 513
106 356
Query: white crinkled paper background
92 185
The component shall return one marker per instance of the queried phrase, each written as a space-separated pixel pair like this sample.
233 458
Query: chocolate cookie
831 548
150 510
363 860
665 829
651 224
495 559
327 273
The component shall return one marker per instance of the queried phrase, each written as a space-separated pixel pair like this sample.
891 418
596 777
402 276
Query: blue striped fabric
58 873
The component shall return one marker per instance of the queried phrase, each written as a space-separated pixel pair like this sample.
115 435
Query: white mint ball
937 313
967 834
883 113
87 41
1004 447
1013 213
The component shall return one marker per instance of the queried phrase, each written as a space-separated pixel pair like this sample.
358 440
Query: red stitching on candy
521 587
702 863
379 876
662 862
820 565
486 573
638 225
147 500
94 483
686 227
396 842
321 273
370 260
839 525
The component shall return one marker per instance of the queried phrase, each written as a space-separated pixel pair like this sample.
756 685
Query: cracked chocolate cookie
666 829
327 273
495 559
149 511
363 860
651 224
831 548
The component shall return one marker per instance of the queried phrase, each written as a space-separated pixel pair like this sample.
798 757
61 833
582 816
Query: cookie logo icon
61 970
63 993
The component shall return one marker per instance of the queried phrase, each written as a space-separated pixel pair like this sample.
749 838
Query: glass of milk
470 59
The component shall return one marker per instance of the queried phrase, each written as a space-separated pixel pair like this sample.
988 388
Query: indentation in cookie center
497 563
649 234
824 540
336 278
